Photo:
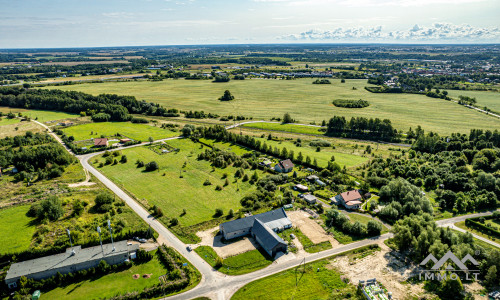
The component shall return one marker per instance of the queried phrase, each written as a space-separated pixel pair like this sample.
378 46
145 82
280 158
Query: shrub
207 182
103 202
218 188
123 159
101 117
218 212
152 166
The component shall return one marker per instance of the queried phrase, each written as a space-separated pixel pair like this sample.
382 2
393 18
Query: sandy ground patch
225 250
310 228
386 268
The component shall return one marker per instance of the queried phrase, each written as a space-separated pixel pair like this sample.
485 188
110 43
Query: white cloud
445 32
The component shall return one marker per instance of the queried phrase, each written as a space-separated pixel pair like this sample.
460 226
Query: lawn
484 98
319 281
243 263
306 102
16 228
477 232
345 238
286 127
323 157
166 189
112 284
133 131
42 115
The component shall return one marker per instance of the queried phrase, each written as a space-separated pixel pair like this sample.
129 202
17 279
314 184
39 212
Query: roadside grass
243 263
484 98
308 245
462 225
42 115
133 131
306 102
111 284
316 280
175 187
16 228
323 157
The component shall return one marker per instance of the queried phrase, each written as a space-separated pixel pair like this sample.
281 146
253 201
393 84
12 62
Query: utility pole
71 243
111 233
100 240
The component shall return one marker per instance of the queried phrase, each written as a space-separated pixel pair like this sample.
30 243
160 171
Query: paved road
214 283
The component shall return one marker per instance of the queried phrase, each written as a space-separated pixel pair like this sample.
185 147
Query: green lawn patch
134 131
5 121
324 283
286 128
476 232
243 263
16 228
166 189
112 284
42 115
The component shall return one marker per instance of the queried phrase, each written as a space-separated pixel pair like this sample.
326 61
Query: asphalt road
214 283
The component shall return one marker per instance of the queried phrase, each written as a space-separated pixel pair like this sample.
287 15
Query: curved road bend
213 282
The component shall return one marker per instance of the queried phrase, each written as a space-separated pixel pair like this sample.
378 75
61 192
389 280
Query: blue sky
68 23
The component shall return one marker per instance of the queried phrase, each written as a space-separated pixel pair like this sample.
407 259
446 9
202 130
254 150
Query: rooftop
56 261
350 195
248 222
268 238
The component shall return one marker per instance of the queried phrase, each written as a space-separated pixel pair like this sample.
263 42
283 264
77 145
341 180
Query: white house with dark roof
262 227
284 166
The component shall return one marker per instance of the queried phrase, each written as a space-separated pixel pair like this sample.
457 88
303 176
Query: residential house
284 166
101 142
301 188
350 199
272 221
312 178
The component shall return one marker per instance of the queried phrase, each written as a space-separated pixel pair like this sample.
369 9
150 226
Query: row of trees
360 127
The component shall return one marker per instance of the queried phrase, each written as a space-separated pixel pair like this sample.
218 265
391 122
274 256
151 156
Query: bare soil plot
226 249
310 227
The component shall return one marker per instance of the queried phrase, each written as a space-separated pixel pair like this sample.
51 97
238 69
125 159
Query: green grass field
42 115
308 244
166 189
235 265
323 157
286 127
133 131
306 102
344 238
5 121
484 98
477 232
292 284
111 284
16 224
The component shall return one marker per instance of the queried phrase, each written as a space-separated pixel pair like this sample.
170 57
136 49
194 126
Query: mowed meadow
166 189
306 102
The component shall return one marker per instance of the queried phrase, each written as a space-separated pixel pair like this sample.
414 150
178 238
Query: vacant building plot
226 249
310 227
140 132
305 101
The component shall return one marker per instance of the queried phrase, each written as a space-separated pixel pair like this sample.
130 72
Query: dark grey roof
60 260
248 222
286 164
268 238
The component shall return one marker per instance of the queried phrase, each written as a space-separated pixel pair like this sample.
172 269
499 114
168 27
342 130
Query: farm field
171 193
484 98
140 132
285 127
111 284
42 115
264 99
324 283
16 224
18 128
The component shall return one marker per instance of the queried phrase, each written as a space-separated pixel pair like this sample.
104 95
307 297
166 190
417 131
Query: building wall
234 234
112 260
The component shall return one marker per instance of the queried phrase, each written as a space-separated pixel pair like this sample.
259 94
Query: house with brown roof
284 166
350 199
101 142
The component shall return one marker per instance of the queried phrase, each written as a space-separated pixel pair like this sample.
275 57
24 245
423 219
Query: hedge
471 222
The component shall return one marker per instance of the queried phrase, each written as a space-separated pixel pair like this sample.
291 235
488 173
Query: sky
101 23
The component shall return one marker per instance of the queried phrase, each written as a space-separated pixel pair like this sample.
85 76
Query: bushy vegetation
350 103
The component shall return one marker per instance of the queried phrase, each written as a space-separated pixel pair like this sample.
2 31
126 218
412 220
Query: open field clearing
5 121
171 193
484 98
42 115
260 98
93 62
286 127
18 128
16 228
133 131
91 77
111 284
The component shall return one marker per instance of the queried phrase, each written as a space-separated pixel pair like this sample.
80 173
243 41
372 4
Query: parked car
292 235
189 248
